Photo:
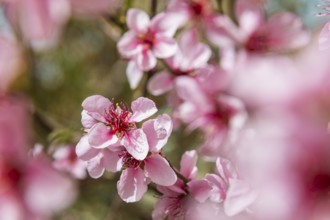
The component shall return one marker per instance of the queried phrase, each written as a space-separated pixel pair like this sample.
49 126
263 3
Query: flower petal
158 131
84 150
132 185
134 74
137 20
146 60
41 182
324 38
95 167
101 136
160 83
219 187
200 189
128 45
159 171
96 105
196 54
166 24
226 169
87 121
142 108
164 47
188 164
239 197
111 161
136 144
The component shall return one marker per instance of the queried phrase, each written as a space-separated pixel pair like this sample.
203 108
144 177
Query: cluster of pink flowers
252 87
114 142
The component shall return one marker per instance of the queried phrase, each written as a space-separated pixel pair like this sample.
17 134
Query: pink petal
159 171
189 90
219 187
136 144
188 164
158 131
146 60
239 197
96 106
137 20
286 32
166 24
160 83
128 45
200 189
226 169
101 136
196 54
42 182
324 38
134 74
87 121
111 161
161 208
132 185
142 109
95 167
164 47
84 150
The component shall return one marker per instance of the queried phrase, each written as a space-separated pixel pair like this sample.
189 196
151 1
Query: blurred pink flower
41 21
146 41
66 160
219 116
30 188
235 194
191 10
190 59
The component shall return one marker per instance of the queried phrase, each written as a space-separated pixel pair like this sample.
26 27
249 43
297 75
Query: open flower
235 194
110 124
137 173
146 41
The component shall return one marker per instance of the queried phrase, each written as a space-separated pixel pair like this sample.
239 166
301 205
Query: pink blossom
256 34
175 200
224 115
41 21
146 41
113 124
137 173
190 59
65 159
191 10
235 194
134 180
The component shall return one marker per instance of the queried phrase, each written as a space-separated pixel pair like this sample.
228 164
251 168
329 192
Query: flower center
147 39
118 117
258 42
10 175
128 160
